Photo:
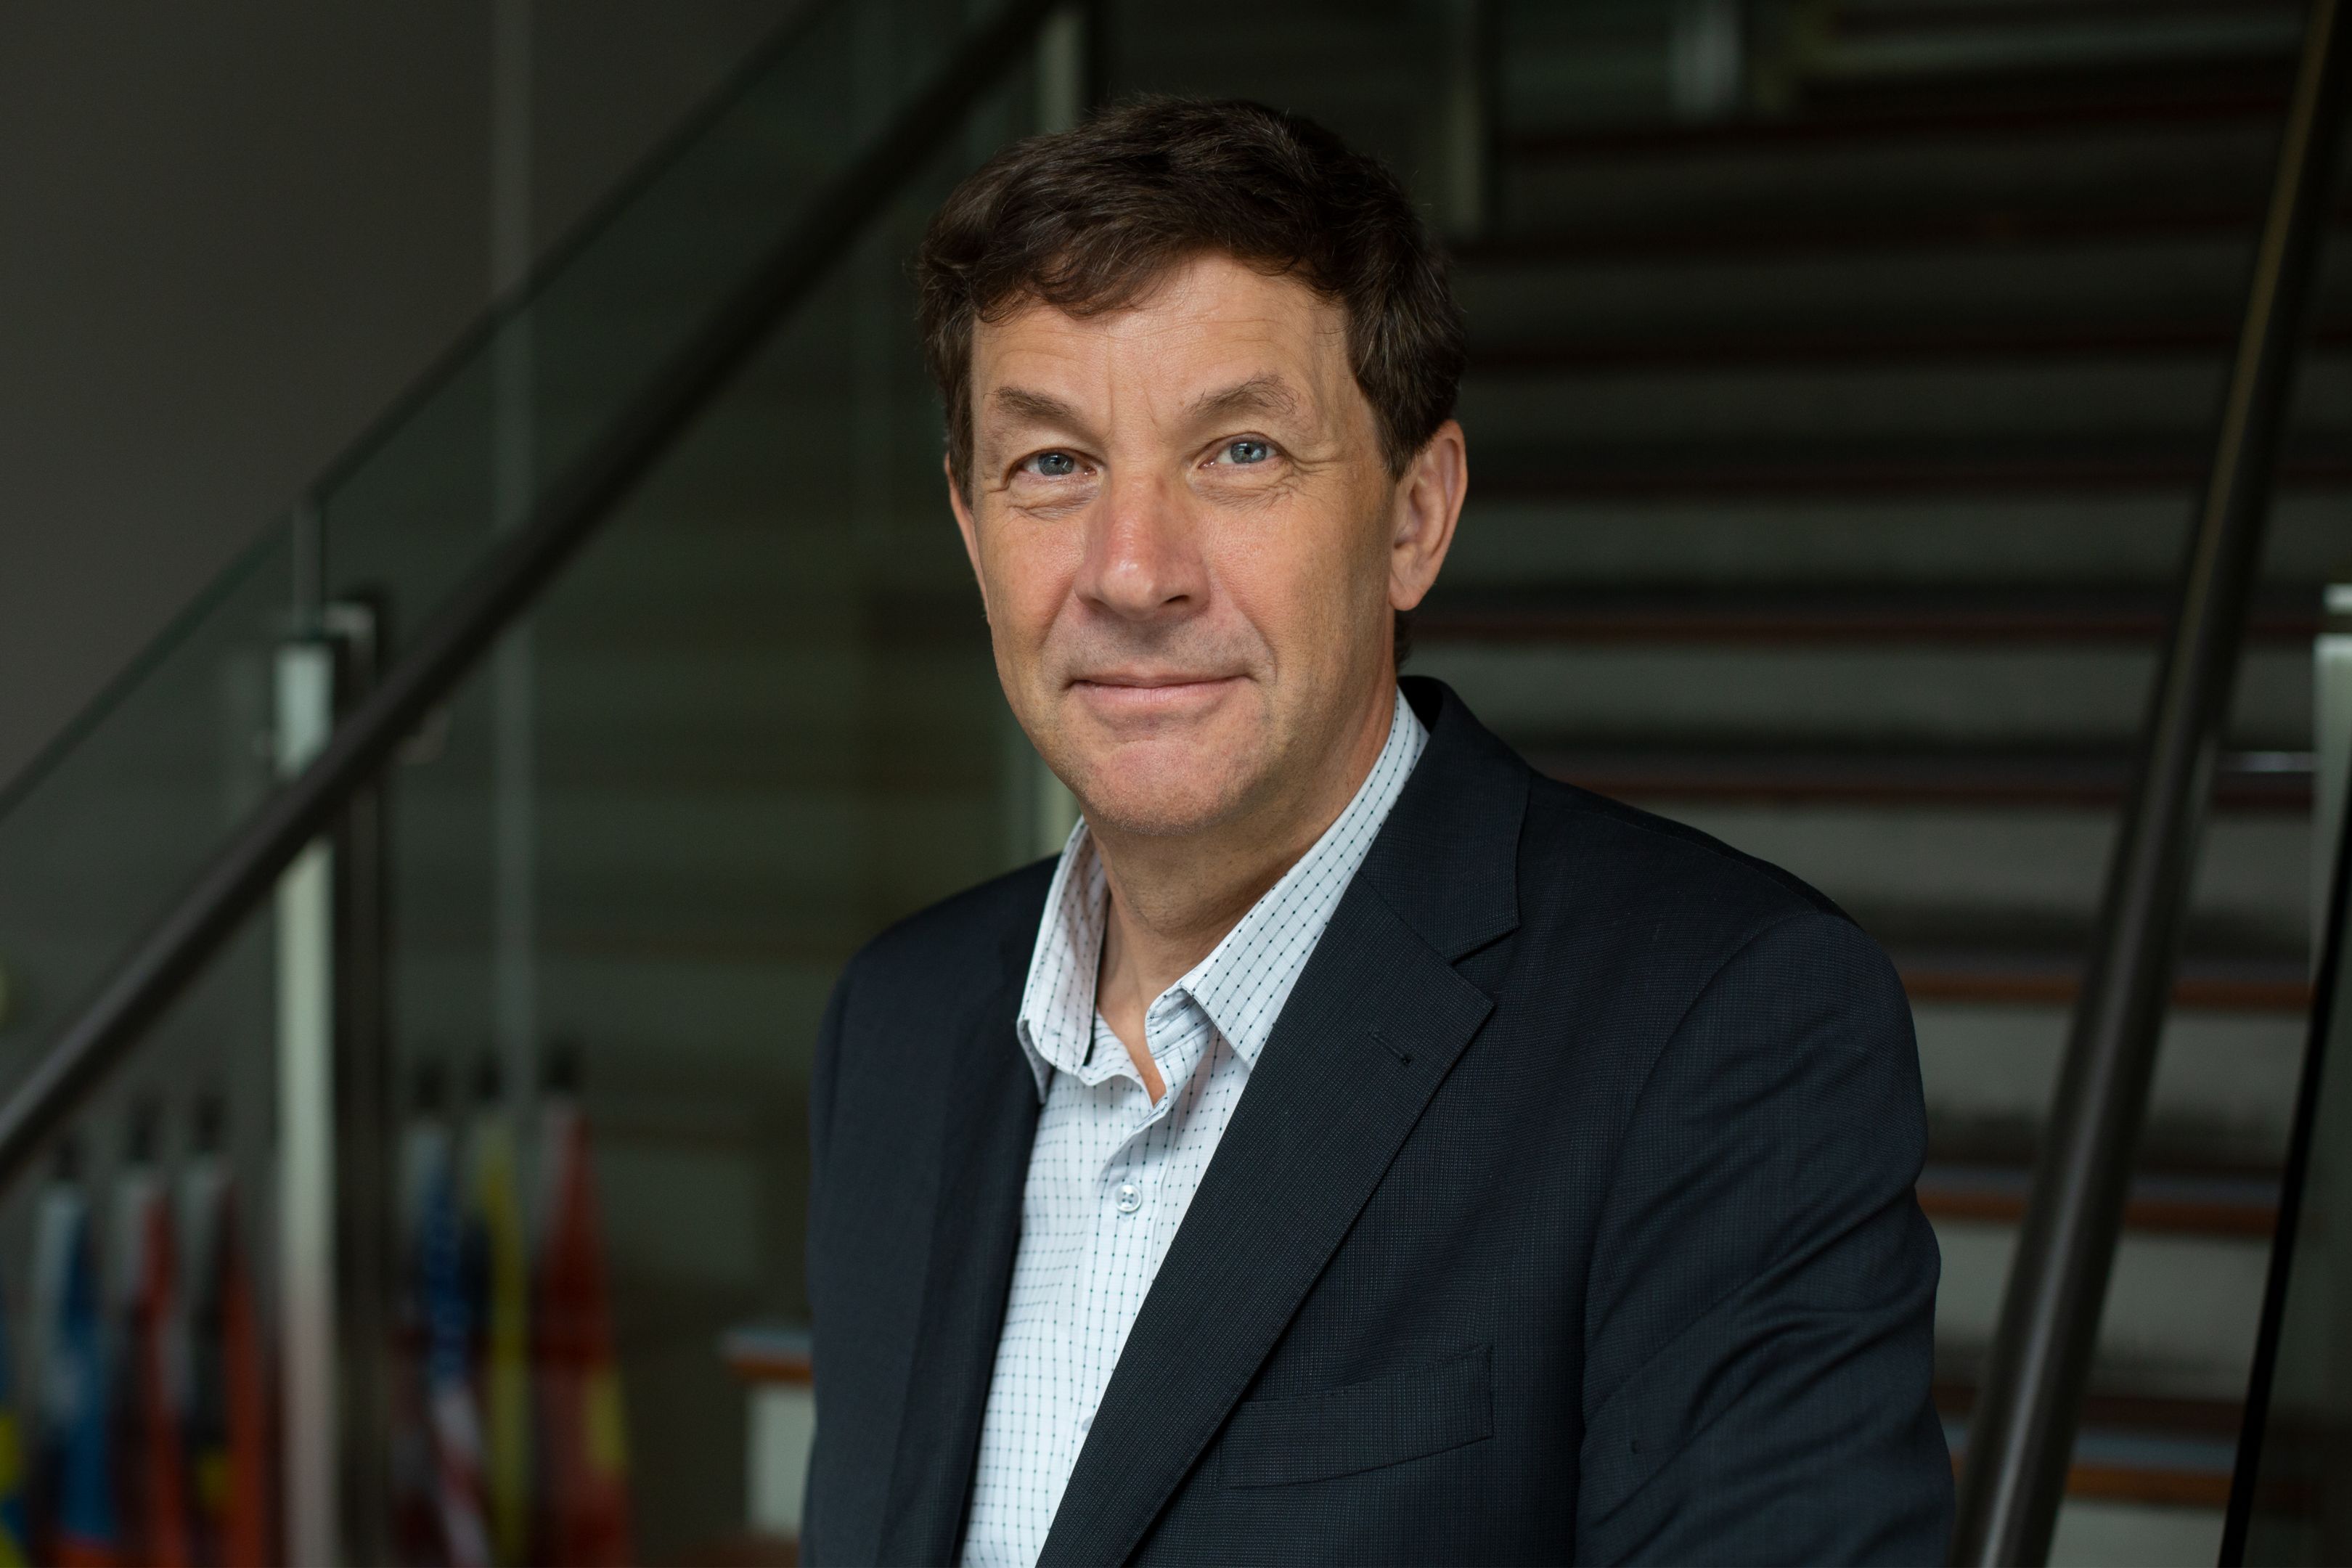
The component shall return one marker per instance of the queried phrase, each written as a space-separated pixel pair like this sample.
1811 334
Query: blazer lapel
1375 1023
991 1122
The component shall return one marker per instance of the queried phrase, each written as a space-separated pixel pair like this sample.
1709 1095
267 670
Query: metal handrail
2021 1436
174 950
2326 1004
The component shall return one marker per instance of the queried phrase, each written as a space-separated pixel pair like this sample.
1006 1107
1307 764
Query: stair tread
1861 613
2251 984
2131 1448
2059 101
1973 227
1936 343
2269 781
2189 1204
1941 14
1789 469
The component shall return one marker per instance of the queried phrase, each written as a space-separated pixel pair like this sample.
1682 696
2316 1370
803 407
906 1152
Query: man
1354 1147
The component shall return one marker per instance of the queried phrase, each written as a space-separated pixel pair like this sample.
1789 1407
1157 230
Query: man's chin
1169 801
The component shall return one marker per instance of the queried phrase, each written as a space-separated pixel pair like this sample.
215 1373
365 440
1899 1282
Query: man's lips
1152 682
1150 693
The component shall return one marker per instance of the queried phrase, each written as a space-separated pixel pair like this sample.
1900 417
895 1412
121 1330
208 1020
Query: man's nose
1142 560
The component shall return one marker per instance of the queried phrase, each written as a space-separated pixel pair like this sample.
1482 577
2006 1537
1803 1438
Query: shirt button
1085 1423
1129 1197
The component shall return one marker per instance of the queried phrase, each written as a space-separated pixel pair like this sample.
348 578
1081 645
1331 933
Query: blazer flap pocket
1364 1425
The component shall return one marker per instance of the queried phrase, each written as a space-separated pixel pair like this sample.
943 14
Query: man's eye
1053 464
1246 451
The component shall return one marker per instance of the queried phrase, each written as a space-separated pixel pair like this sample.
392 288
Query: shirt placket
1126 1186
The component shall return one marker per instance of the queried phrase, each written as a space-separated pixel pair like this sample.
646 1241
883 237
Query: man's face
1187 540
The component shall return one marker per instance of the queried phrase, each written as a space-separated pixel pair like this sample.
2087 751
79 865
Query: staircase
1834 432
1843 375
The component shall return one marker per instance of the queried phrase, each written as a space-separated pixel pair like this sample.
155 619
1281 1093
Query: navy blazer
1568 1216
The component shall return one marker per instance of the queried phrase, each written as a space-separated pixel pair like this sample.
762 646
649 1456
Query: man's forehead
1212 332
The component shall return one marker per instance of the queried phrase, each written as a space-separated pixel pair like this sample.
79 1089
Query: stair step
1789 470
2221 1104
2189 1204
2058 417
1939 343
1925 540
1868 18
1904 872
2025 613
2172 1452
2276 985
2244 781
2202 138
2123 288
1834 696
2181 1317
2128 60
1964 227
2151 66
1972 105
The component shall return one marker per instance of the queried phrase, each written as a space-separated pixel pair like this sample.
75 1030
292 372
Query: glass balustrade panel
754 722
117 816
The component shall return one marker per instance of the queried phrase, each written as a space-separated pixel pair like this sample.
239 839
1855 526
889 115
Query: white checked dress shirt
1111 1175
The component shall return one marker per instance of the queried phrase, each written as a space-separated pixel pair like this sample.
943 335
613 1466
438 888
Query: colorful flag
15 1539
151 1478
415 1486
451 1414
230 1459
498 1270
585 1497
75 1522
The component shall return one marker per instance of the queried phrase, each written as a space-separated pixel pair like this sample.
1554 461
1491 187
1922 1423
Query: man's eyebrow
1036 408
1258 394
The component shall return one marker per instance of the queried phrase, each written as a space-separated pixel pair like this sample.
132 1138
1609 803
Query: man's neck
1172 899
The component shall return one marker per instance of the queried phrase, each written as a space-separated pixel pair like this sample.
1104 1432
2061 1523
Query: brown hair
1089 220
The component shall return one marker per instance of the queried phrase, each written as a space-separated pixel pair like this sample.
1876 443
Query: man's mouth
1150 691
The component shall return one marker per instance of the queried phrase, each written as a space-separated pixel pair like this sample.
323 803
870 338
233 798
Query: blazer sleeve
1761 1327
822 1078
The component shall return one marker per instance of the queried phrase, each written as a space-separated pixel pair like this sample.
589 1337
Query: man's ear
966 527
1428 507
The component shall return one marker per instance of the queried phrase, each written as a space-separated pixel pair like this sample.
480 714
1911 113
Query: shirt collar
1245 981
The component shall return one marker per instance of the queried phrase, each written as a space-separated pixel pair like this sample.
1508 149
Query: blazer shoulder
1631 857
970 931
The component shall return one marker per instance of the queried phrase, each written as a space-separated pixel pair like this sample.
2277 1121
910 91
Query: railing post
2331 685
1069 65
364 1186
310 1424
1469 117
334 1184
1707 60
2021 1435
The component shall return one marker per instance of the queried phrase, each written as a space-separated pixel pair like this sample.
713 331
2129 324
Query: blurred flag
453 1421
74 1514
416 1493
152 1479
15 1539
585 1500
230 1461
498 1270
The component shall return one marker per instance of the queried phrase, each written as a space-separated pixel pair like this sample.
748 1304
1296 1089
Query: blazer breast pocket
1367 1426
